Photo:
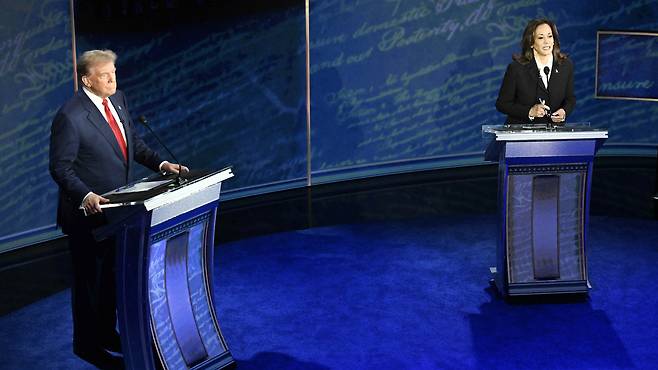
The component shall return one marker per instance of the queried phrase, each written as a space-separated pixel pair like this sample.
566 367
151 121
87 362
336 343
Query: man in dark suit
93 147
538 84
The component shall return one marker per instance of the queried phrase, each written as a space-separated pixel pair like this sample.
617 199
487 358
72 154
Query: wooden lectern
544 180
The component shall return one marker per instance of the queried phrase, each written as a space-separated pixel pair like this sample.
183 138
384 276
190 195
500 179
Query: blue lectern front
544 180
165 236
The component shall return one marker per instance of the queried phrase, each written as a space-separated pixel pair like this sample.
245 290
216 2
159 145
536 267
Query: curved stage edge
622 186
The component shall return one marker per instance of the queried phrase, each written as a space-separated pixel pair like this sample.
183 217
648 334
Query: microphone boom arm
144 122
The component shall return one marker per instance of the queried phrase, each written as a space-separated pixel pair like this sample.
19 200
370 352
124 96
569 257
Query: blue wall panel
219 92
395 85
627 64
407 81
36 77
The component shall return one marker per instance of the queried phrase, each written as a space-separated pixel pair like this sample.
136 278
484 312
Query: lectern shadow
276 360
541 333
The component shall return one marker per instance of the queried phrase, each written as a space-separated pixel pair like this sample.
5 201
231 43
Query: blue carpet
400 295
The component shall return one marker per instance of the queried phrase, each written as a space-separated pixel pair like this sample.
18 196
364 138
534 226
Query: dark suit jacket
522 86
85 156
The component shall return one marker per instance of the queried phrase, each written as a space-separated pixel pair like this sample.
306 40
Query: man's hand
173 168
92 203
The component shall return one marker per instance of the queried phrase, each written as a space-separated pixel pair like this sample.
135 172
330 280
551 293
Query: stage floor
410 294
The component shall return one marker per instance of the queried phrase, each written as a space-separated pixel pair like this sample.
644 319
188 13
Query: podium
164 232
544 181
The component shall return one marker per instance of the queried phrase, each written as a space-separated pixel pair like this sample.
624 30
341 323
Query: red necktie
115 129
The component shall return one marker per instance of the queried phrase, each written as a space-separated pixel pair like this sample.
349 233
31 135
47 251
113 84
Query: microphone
145 123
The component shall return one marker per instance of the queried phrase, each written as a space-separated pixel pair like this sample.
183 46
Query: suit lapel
557 85
556 76
118 108
534 75
97 120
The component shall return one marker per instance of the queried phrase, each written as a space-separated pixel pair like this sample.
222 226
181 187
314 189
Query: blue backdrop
219 91
409 83
395 85
36 77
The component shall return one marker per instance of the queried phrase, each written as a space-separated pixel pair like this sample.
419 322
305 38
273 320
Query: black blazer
85 156
522 87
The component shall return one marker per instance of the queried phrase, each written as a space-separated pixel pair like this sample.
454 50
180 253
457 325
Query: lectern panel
524 227
162 327
179 299
184 330
165 242
199 292
544 180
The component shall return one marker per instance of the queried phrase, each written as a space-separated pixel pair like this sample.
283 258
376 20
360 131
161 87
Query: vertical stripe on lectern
160 320
545 248
201 303
178 298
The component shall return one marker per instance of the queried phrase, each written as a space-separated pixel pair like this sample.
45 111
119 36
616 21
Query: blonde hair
91 58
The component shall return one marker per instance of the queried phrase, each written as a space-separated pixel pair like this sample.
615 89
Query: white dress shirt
541 66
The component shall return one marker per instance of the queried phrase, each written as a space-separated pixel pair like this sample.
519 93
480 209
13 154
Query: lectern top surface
543 132
159 186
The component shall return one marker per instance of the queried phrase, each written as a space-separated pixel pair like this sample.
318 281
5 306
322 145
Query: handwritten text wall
36 74
400 80
218 94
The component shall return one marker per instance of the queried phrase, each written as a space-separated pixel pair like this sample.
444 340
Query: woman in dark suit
538 84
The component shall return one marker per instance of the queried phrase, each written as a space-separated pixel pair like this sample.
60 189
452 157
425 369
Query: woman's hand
538 110
559 116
